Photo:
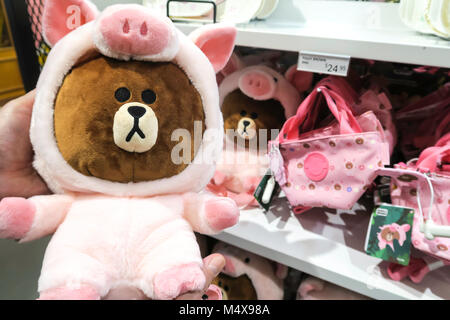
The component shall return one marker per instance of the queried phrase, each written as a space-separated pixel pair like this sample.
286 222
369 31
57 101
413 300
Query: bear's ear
63 16
217 43
301 80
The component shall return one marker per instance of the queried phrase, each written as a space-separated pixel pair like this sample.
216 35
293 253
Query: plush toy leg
178 280
84 292
16 217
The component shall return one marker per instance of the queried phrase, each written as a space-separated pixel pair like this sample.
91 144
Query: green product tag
266 190
389 234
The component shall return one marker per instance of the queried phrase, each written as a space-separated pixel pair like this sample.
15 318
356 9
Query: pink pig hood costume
110 234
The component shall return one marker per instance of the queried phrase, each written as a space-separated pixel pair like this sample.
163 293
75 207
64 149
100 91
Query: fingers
212 266
25 101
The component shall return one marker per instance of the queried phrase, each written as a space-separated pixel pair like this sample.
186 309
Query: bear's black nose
137 112
246 123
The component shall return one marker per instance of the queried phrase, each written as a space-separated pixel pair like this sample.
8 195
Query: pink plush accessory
266 276
429 195
316 289
331 166
373 99
424 122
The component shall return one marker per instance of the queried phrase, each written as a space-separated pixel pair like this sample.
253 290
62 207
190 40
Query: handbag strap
336 104
341 86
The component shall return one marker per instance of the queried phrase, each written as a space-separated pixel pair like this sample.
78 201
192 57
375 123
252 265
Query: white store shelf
360 30
328 245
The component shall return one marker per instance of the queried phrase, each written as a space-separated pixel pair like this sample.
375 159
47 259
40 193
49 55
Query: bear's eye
243 113
254 115
247 260
275 79
227 288
149 96
122 94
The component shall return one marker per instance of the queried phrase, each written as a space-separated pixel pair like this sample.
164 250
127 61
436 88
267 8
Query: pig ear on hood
234 64
301 80
63 16
217 43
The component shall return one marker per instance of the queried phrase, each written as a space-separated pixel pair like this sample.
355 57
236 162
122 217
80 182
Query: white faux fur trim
61 177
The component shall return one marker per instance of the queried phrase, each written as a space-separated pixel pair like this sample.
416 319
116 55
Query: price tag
333 64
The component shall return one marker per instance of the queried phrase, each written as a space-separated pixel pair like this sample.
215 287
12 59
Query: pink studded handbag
331 166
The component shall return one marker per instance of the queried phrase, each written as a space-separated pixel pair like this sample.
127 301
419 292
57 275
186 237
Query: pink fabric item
424 122
417 269
16 217
372 99
238 174
135 32
261 272
345 156
404 191
63 16
300 79
64 293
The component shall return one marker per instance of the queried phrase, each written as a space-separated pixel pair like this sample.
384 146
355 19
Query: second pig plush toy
255 101
108 102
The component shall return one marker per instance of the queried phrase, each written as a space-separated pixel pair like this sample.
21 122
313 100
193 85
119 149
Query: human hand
17 175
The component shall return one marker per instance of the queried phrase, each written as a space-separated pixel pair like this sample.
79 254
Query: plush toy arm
208 214
33 218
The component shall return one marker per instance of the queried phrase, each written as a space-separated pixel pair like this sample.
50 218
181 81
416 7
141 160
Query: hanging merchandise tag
266 190
333 64
389 234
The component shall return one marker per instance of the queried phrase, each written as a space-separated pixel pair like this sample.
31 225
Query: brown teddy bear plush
255 103
247 116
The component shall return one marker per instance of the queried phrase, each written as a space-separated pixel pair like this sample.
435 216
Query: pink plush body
238 174
103 242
